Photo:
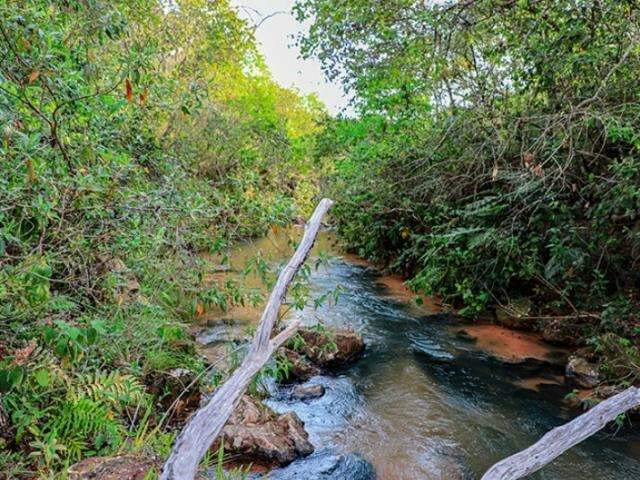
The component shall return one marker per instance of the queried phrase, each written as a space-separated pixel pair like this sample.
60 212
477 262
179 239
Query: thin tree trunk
205 425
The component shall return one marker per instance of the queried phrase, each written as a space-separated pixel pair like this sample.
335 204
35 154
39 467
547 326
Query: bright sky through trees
275 36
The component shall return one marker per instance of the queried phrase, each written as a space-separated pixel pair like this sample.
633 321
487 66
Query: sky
275 37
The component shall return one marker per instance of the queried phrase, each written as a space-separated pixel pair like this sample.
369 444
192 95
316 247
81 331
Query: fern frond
113 388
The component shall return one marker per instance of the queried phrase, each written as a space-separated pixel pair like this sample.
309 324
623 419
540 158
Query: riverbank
476 166
134 137
433 396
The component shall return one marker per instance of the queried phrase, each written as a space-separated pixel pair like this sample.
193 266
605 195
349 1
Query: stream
432 397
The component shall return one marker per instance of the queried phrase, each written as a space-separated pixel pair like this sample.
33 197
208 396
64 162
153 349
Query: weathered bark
205 425
557 441
270 314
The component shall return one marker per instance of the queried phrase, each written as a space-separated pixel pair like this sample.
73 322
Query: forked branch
205 425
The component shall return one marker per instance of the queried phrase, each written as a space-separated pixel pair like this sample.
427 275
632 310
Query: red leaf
129 91
34 76
528 158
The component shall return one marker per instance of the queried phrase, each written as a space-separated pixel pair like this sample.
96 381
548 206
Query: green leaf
42 377
10 378
91 335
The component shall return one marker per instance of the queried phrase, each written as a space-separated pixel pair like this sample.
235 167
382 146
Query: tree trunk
206 423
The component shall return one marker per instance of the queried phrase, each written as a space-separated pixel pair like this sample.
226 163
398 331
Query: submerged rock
582 372
324 465
307 392
448 464
256 433
515 347
122 467
465 336
325 415
425 345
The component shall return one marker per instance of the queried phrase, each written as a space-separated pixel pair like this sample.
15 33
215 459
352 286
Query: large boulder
330 347
256 433
325 465
582 372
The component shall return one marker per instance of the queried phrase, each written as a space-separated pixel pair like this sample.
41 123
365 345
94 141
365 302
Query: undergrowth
134 137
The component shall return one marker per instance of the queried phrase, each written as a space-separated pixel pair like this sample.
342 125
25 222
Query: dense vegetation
496 155
134 135
494 159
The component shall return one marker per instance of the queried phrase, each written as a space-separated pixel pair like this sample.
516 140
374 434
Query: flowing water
429 402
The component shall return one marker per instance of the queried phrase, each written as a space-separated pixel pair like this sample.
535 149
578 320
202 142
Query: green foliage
135 135
222 473
278 370
496 152
62 415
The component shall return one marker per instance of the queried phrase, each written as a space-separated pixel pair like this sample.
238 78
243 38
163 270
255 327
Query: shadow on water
425 402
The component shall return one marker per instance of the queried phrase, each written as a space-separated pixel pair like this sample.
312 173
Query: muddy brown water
427 401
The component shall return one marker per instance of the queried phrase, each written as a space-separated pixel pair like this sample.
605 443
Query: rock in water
582 372
324 465
330 348
307 392
320 349
256 433
301 369
325 415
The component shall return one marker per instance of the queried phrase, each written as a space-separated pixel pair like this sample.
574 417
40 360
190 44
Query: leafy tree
134 135
496 152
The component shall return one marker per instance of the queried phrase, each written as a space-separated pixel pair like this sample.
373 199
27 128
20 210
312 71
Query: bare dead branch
205 425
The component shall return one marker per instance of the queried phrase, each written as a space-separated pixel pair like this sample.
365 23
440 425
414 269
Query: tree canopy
496 152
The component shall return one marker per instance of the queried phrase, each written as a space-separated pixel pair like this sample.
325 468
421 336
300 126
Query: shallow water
426 402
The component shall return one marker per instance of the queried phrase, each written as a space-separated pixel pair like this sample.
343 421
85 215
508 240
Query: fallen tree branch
557 441
205 425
